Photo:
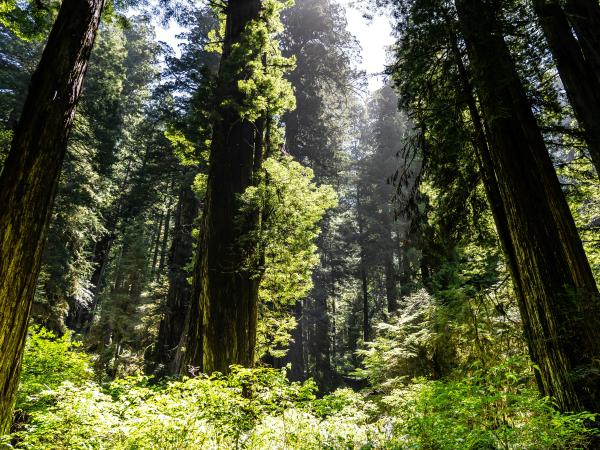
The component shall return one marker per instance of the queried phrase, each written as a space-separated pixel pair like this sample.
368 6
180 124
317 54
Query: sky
374 36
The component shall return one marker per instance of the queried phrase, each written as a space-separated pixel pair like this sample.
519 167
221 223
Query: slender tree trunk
157 243
581 82
224 312
30 176
560 301
321 341
363 266
165 241
170 330
391 290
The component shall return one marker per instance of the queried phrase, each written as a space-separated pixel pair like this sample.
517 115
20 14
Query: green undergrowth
60 406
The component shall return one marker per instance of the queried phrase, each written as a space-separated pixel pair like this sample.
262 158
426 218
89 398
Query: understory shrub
62 407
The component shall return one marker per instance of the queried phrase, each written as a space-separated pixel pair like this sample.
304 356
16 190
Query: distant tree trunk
165 241
581 82
295 355
30 176
391 290
320 341
80 316
161 361
157 242
363 266
560 302
224 311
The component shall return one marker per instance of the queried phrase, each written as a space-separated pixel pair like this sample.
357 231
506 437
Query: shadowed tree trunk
29 180
559 303
584 16
161 361
222 322
157 242
581 82
295 355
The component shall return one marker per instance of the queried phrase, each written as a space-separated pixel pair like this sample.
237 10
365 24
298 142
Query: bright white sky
374 36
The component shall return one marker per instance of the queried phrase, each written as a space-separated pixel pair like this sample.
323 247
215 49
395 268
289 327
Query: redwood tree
559 300
582 83
29 179
250 94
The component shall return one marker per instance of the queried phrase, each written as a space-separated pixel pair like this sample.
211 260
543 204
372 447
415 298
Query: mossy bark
221 328
30 176
559 299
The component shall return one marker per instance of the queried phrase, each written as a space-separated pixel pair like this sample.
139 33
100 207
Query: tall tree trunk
161 361
581 83
165 241
363 265
30 176
157 242
560 302
491 186
223 316
584 16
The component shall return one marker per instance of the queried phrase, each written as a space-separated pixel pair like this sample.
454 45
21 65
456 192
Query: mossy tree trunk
221 330
559 297
30 176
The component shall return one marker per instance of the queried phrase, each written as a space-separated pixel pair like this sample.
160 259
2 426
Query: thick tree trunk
490 184
223 316
161 361
30 176
560 304
581 83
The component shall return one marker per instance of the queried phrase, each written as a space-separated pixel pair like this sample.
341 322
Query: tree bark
560 301
584 16
580 81
224 311
161 361
492 190
30 176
